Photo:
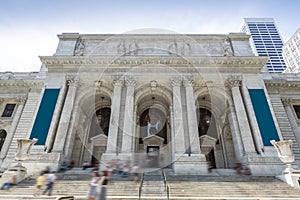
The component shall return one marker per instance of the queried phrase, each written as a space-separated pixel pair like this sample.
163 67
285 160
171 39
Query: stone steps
284 124
181 187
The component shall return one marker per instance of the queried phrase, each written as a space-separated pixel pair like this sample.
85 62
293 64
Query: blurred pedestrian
39 183
93 191
51 180
103 185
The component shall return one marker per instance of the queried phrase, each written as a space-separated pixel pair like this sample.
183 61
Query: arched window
2 137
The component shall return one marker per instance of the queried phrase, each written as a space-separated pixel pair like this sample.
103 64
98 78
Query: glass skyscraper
265 41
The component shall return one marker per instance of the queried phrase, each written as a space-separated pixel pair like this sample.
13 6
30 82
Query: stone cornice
19 84
244 62
282 83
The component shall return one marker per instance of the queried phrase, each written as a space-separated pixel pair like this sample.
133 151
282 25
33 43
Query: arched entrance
214 133
153 132
92 129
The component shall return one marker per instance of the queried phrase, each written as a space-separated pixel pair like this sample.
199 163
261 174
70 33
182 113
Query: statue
79 48
150 127
227 47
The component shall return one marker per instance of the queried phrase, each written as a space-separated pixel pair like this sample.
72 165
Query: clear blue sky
29 28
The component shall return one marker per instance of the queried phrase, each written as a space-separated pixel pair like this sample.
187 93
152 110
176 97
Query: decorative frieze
245 62
284 84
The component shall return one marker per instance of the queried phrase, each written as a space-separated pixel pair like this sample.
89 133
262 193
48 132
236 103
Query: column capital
72 82
118 82
286 101
188 81
130 82
22 99
234 81
176 81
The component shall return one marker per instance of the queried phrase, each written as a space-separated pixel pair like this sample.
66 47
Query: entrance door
153 156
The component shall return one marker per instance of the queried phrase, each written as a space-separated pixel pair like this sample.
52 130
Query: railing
141 185
167 189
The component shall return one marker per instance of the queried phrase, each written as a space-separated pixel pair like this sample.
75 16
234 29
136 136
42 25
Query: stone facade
177 101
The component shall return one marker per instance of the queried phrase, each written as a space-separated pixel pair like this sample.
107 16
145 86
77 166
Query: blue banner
263 116
44 116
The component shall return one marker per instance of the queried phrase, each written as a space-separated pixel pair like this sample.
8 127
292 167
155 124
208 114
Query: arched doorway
98 133
153 142
3 135
214 132
92 129
208 134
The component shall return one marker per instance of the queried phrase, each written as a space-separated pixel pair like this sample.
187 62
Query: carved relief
133 47
153 85
121 47
286 101
227 47
234 81
79 47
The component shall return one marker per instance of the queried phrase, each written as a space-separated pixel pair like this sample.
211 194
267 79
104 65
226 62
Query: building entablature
225 64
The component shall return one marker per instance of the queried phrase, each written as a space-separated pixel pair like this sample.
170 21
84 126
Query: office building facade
266 41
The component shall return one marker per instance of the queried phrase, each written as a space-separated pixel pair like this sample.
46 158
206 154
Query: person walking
10 183
93 191
103 185
50 183
39 183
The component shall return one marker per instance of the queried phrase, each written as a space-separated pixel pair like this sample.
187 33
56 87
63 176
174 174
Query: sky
29 28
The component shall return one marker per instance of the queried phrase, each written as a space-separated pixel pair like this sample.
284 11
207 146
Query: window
8 111
297 110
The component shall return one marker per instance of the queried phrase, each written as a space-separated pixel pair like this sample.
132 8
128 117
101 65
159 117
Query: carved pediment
207 141
99 140
153 140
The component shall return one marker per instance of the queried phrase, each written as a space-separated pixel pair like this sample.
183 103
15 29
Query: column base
190 165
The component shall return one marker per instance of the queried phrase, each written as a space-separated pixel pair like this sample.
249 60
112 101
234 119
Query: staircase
212 186
284 124
153 184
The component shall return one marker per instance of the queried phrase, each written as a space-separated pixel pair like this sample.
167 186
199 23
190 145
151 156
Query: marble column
114 117
291 117
178 121
191 116
236 136
65 118
128 134
234 82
